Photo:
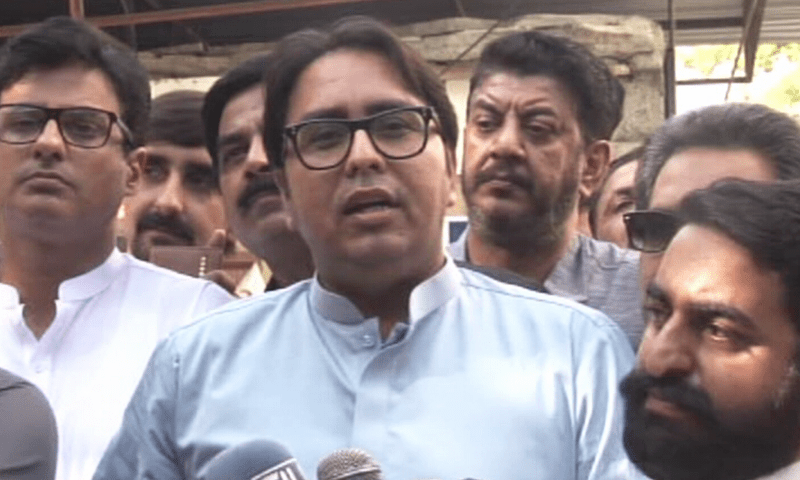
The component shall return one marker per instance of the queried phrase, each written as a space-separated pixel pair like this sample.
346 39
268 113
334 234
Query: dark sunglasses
651 230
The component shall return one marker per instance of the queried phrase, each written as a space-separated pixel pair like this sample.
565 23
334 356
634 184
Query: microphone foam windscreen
349 464
254 460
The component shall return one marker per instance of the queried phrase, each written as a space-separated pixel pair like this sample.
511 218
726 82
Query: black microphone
254 460
349 464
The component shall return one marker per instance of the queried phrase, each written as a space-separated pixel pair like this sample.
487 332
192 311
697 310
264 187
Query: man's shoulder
533 306
149 273
261 311
609 256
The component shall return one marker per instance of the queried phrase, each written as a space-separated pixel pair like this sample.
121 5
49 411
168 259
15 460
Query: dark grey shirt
597 274
28 439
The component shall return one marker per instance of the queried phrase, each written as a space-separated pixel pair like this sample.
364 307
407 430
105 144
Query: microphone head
349 464
254 460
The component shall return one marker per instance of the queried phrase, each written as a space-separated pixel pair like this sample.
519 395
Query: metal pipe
195 13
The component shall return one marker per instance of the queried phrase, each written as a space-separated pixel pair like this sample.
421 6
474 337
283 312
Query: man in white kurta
78 318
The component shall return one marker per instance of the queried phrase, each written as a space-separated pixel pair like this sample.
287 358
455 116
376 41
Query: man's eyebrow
156 158
657 293
338 113
233 138
484 104
624 192
322 114
707 310
382 106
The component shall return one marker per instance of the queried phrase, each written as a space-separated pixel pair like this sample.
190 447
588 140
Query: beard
744 446
541 225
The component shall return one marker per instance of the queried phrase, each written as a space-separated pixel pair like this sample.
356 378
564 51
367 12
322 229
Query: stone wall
633 47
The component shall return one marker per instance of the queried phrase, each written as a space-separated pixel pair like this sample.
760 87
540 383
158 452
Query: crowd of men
507 355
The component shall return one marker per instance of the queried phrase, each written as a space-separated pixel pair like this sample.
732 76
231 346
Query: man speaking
439 372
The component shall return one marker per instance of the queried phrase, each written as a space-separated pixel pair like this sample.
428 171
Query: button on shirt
485 380
594 273
90 359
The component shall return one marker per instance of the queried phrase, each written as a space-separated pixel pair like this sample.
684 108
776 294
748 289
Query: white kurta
89 361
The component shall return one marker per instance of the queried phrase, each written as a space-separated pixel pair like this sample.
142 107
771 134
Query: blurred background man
716 394
177 200
694 150
613 199
540 113
233 116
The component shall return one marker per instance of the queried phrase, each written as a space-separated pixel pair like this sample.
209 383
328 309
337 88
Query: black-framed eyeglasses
83 127
396 134
651 231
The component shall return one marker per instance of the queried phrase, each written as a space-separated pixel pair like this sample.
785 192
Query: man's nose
170 196
509 140
49 145
669 351
256 161
363 155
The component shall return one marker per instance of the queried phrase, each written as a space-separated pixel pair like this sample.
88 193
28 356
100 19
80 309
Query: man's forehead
349 82
242 109
178 155
698 167
503 86
77 82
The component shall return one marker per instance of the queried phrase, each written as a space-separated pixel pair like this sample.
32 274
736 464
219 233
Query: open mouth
373 200
368 207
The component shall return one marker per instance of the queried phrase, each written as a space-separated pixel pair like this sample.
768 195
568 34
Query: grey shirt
28 437
595 273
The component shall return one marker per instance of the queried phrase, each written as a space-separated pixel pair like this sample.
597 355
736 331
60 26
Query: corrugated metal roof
719 21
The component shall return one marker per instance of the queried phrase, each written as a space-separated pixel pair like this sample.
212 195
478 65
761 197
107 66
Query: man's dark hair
764 218
63 41
598 95
297 51
733 126
632 156
235 81
175 118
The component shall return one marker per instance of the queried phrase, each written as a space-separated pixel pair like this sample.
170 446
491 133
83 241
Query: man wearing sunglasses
79 318
716 393
694 150
540 114
439 372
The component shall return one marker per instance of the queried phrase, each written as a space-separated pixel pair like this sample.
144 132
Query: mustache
506 174
173 224
255 187
638 385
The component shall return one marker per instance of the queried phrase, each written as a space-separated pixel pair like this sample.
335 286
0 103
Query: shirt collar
566 279
425 298
94 281
76 288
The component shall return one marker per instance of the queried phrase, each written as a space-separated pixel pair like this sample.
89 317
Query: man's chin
664 450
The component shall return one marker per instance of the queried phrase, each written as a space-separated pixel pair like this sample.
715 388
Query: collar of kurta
77 288
425 298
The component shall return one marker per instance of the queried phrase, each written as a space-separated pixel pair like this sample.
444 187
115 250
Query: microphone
349 464
254 460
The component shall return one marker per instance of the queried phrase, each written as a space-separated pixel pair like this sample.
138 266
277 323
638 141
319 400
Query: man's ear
133 170
595 168
279 174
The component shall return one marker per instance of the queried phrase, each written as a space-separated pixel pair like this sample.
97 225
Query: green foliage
786 93
705 58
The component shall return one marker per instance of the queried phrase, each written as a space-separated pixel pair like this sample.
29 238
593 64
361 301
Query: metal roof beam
195 13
